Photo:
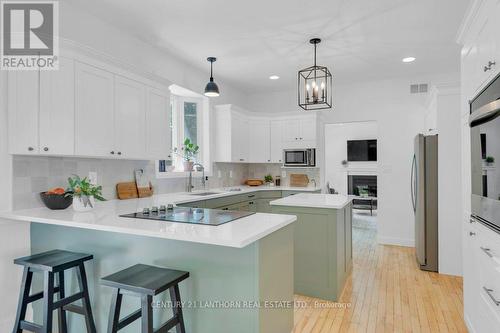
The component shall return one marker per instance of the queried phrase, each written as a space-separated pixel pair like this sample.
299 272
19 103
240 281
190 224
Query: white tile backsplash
34 174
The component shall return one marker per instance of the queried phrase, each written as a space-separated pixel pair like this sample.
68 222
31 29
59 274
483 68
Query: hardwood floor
386 292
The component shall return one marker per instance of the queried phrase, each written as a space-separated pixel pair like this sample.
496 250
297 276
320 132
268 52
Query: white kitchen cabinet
276 137
240 135
299 132
129 118
158 130
94 111
260 147
23 97
57 109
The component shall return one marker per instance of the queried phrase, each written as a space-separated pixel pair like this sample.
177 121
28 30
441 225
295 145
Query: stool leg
23 298
146 314
48 301
114 311
82 281
175 297
63 325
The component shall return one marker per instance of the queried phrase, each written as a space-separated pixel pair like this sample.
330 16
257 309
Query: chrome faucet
198 167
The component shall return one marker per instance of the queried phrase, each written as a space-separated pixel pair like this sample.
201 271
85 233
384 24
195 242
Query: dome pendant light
211 90
315 85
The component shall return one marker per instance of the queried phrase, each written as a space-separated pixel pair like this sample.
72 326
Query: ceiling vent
420 88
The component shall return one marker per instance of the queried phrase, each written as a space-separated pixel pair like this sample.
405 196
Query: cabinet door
94 130
239 134
470 273
159 132
276 141
291 130
23 98
130 118
307 130
57 109
260 146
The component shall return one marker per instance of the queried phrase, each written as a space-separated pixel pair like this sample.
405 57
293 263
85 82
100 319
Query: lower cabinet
481 278
322 250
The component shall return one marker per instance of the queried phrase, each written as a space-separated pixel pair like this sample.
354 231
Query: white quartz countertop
314 200
105 217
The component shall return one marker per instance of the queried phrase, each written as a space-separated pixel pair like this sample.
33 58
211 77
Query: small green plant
268 179
490 159
79 187
188 151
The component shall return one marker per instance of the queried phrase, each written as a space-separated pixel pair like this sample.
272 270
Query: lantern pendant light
211 89
315 85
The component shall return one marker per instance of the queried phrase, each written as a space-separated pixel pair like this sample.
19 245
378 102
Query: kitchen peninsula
233 266
322 242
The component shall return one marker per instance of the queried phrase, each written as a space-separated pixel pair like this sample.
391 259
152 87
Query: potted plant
188 151
84 193
490 160
268 179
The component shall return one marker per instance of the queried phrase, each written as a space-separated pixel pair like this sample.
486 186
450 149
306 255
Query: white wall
447 108
336 137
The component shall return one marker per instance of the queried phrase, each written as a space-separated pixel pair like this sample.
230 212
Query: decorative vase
83 203
188 165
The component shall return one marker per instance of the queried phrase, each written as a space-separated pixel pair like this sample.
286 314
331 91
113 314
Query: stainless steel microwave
485 155
300 157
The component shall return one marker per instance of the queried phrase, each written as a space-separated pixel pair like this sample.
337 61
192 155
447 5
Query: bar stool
50 263
145 281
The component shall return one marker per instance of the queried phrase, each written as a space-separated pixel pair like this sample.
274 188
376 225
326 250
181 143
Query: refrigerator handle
412 183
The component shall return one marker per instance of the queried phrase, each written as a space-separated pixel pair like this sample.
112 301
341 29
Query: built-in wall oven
300 157
485 148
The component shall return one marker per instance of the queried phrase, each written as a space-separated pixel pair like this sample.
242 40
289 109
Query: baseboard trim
396 241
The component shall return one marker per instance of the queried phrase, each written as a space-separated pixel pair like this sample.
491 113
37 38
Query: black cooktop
200 216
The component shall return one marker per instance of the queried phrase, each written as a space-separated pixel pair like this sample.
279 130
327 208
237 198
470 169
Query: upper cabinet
130 118
158 135
57 109
88 111
300 133
244 137
23 95
481 51
94 132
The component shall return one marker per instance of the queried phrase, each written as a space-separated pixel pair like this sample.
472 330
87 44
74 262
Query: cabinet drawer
269 195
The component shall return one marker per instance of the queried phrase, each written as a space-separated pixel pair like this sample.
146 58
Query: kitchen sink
201 194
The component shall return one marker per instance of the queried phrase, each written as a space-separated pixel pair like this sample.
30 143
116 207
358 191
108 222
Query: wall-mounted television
362 150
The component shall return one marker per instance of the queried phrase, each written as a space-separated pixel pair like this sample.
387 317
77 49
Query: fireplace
362 185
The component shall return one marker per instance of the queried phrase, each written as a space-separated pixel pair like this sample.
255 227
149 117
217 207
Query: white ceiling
362 39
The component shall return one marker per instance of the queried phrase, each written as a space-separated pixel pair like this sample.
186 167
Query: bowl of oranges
56 198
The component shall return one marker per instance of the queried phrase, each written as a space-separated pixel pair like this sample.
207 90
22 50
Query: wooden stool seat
145 281
53 263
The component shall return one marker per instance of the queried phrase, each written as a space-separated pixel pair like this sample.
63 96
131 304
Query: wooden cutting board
126 190
299 180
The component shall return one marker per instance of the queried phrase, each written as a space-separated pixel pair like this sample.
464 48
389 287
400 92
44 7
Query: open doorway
351 169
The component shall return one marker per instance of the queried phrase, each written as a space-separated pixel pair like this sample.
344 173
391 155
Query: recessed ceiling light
409 59
274 77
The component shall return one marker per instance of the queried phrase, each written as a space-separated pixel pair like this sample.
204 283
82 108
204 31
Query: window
188 119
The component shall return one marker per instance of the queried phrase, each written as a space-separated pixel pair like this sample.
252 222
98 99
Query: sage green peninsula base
322 250
221 294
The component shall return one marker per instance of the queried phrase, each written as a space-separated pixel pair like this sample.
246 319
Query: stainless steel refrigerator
424 195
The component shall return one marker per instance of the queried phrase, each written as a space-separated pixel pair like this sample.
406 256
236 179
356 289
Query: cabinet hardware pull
486 68
491 63
489 292
46 149
296 138
112 153
119 153
31 148
251 203
471 220
487 251
251 195
472 233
